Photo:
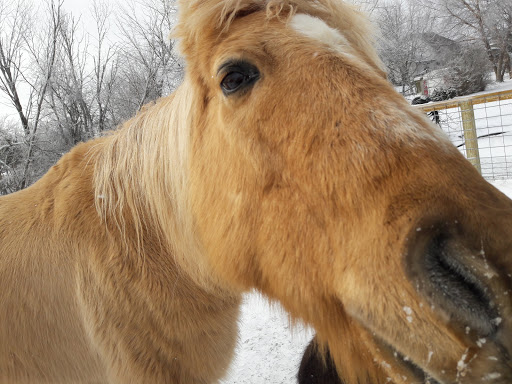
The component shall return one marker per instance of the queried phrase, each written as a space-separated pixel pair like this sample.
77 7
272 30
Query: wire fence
481 127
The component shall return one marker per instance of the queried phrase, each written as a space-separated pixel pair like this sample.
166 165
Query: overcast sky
77 6
83 9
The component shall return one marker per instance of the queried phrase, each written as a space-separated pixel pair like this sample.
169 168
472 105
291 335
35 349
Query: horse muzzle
465 278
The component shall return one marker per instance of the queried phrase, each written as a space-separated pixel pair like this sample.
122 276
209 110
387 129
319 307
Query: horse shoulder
42 331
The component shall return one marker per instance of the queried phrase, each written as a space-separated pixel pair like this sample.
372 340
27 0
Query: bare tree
27 60
403 25
11 155
106 68
486 21
150 66
85 78
65 84
16 21
68 97
499 21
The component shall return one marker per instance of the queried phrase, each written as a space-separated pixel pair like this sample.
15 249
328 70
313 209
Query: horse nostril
443 270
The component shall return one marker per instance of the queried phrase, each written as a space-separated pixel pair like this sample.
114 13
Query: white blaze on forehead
318 29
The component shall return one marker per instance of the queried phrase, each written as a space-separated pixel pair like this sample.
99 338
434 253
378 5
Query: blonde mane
140 178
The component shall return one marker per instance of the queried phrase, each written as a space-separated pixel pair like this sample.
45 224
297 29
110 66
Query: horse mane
140 180
200 18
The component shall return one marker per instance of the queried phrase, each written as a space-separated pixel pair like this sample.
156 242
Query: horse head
313 181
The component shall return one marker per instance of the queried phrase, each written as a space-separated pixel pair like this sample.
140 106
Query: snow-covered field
494 128
269 348
493 122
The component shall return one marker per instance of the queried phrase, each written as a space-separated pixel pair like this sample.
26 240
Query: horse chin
409 371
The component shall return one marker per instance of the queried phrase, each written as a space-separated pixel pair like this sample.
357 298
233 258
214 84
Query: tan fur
125 263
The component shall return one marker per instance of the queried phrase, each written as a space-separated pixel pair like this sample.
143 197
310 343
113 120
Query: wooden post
470 136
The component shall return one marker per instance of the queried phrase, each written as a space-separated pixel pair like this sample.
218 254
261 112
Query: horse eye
232 81
239 76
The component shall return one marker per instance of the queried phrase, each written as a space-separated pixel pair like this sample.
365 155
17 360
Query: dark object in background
434 115
314 370
421 100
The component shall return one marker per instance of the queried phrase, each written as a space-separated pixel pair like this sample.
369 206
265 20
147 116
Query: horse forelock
211 18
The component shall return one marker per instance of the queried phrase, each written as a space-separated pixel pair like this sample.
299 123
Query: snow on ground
496 87
269 348
493 122
504 186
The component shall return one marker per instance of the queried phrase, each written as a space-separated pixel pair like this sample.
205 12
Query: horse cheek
224 207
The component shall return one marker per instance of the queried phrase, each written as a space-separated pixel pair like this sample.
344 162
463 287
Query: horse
285 162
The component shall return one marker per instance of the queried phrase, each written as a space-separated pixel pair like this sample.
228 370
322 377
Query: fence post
470 136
